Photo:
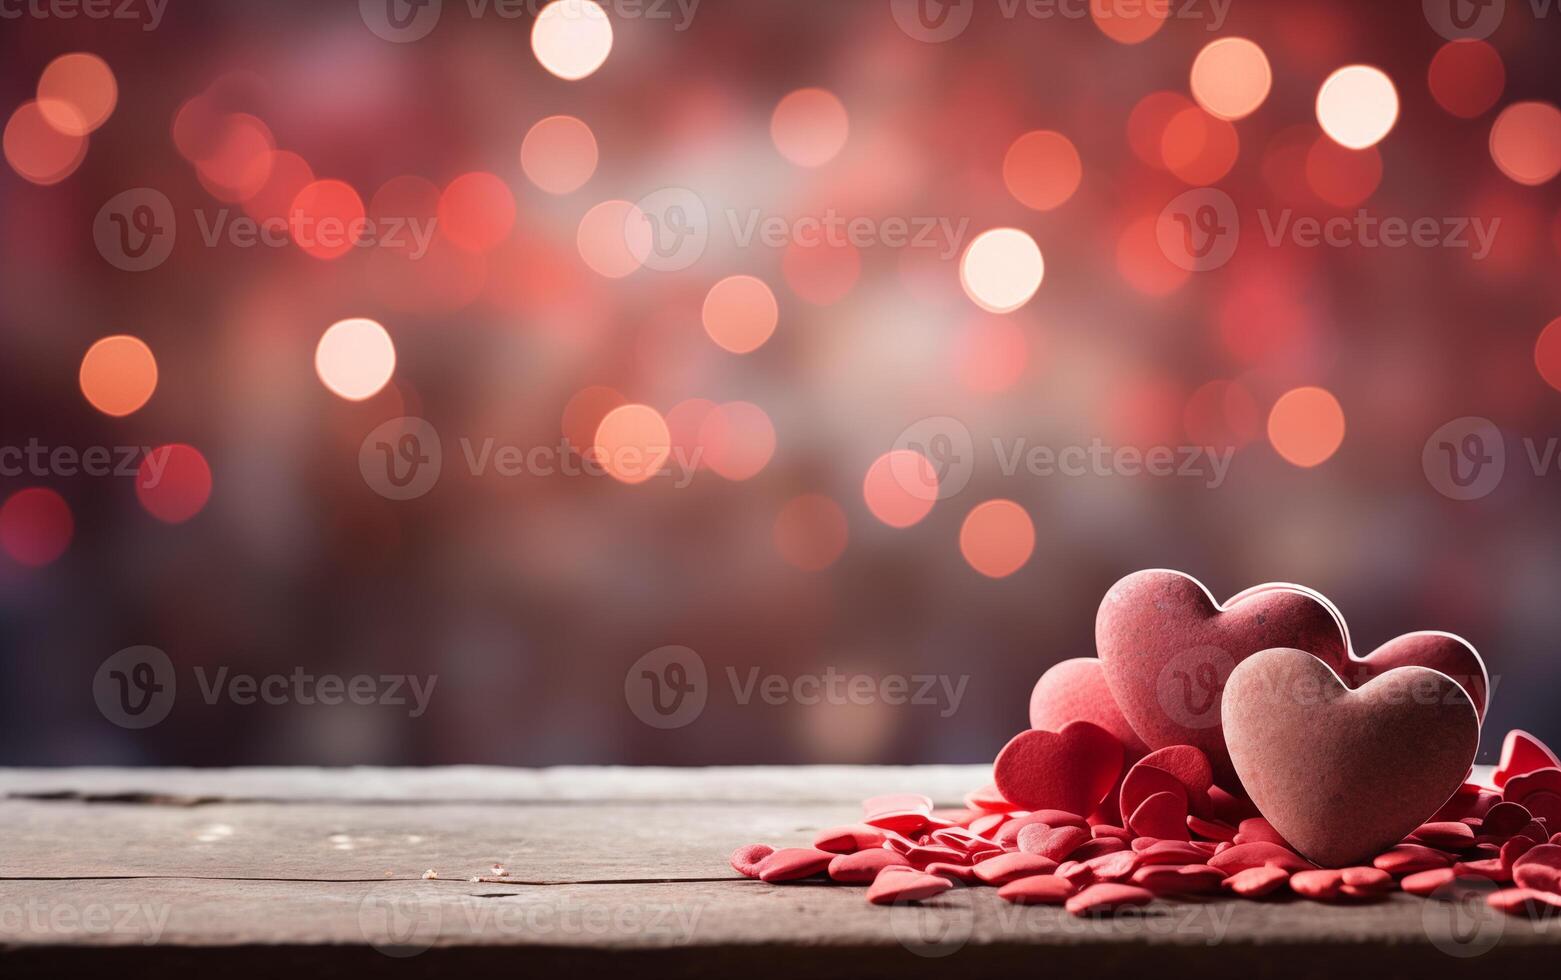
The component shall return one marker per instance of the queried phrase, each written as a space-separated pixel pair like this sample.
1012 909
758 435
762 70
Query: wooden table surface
255 871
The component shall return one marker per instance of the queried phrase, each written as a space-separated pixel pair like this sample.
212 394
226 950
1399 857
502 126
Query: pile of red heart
1239 749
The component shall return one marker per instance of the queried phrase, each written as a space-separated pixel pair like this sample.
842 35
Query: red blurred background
748 242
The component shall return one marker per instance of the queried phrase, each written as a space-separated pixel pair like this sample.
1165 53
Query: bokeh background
557 298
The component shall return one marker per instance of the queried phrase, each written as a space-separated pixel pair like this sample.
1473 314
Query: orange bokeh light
997 538
77 93
1341 176
118 375
239 162
1146 125
37 151
1526 142
1042 170
559 154
614 239
1231 77
476 211
900 487
810 532
326 219
740 313
809 127
1141 261
1306 426
1199 148
738 440
632 443
1129 23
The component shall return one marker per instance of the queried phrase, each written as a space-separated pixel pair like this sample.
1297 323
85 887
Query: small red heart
1522 753
1167 647
1345 774
1072 769
1162 816
1539 791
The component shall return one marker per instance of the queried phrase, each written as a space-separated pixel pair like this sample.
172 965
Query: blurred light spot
1341 176
326 219
738 440
355 358
993 354
559 154
1547 354
1306 426
1357 106
1221 414
821 273
35 526
632 443
174 483
584 411
684 422
1231 77
37 151
1284 163
997 538
810 532
1128 23
1199 148
290 174
77 93
1042 169
1141 261
400 206
1466 77
1001 269
614 239
572 38
740 313
476 211
1146 125
197 127
1526 142
900 487
1266 315
809 127
239 162
118 375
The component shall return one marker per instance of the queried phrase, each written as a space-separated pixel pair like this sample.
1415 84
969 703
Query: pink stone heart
1345 774
1167 647
1075 690
1452 655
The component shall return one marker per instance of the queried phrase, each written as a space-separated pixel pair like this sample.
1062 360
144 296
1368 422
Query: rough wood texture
259 871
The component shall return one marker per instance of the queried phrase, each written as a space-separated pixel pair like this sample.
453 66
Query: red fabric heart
1343 775
1072 769
1166 649
1522 753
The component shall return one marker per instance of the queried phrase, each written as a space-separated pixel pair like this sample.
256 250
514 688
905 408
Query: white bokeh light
572 38
1357 106
1001 269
